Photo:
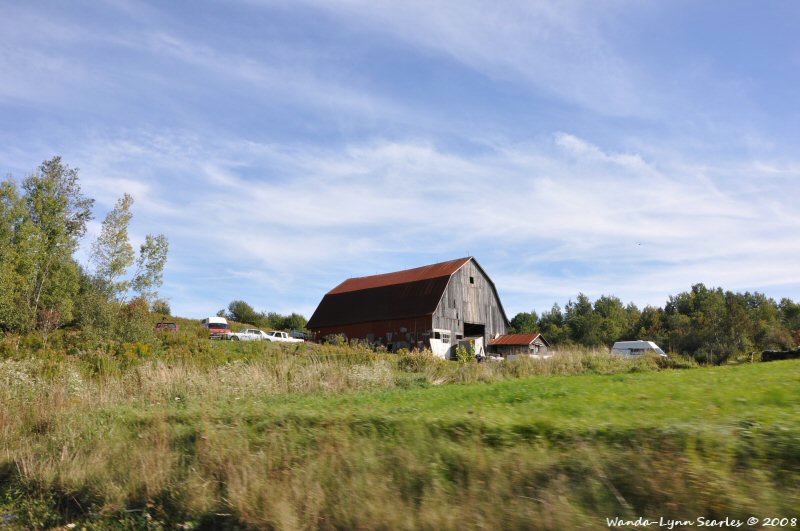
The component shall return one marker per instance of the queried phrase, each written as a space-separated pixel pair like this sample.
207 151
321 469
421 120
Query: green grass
714 396
285 437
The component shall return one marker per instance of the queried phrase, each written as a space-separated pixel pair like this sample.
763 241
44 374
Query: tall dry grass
176 438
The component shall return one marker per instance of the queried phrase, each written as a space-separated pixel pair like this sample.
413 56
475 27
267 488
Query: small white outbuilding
636 348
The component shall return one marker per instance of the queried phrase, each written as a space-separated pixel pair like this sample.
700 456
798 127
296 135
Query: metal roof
396 301
442 269
516 339
399 295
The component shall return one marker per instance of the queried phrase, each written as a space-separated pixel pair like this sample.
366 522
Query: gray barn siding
474 303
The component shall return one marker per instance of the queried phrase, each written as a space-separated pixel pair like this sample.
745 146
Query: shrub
676 361
417 361
335 339
464 355
134 324
161 306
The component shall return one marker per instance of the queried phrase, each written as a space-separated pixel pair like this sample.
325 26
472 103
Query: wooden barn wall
473 303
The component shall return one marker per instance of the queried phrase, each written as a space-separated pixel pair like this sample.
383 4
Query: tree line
708 324
242 312
42 285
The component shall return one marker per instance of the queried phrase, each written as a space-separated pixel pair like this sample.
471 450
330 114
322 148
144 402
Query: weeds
183 432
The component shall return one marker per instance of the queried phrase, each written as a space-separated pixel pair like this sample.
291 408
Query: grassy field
221 435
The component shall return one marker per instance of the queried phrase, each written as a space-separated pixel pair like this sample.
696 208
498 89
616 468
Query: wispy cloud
555 47
615 147
624 225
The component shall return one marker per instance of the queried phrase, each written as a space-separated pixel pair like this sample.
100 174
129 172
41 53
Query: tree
161 306
96 310
54 219
295 321
277 321
650 325
150 266
242 312
582 321
789 312
551 324
112 253
13 284
525 323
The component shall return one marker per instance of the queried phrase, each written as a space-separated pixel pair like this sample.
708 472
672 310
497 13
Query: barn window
445 338
472 280
437 335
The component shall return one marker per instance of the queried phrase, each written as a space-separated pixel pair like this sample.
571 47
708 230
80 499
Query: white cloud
636 228
282 162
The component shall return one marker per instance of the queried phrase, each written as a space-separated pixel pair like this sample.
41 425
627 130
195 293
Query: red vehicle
166 326
218 327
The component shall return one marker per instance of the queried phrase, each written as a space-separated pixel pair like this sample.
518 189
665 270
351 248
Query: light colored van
218 327
636 348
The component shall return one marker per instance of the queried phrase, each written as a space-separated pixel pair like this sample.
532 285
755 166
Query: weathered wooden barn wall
472 301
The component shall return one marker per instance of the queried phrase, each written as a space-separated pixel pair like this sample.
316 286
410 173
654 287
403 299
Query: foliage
242 312
135 324
40 231
96 310
464 355
112 252
13 280
524 323
294 321
149 273
43 288
161 306
710 325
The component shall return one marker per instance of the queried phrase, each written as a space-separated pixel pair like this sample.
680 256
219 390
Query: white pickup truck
252 334
282 337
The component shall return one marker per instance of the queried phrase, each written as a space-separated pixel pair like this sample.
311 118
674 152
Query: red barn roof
429 272
516 339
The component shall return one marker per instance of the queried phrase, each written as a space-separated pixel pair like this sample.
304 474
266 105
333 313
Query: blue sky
614 147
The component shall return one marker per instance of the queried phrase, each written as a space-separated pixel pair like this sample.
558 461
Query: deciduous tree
112 252
150 266
54 219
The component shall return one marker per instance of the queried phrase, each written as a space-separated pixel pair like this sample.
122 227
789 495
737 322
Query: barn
436 306
519 345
